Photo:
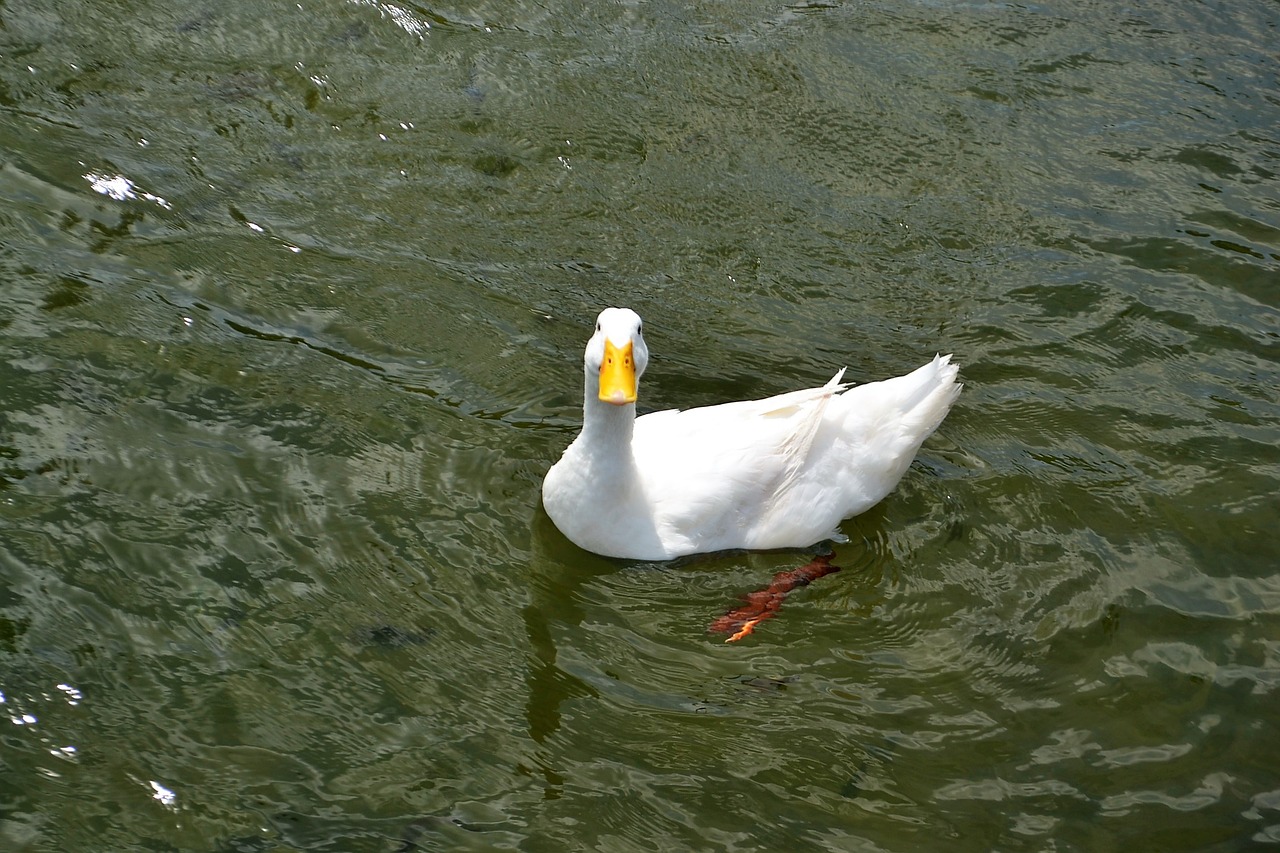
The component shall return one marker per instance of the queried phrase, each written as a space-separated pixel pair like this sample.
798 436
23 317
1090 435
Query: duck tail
928 392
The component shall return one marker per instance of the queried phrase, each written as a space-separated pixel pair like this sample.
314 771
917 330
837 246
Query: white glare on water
120 188
164 795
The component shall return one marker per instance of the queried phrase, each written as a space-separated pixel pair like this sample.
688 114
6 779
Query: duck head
616 356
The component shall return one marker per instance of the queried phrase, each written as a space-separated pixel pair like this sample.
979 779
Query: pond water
294 301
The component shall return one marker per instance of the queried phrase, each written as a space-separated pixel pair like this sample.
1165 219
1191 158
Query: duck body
774 473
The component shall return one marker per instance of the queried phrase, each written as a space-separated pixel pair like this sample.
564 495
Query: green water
294 299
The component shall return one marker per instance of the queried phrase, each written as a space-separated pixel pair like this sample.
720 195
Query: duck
780 472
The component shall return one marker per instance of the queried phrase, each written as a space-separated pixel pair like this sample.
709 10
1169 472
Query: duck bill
618 375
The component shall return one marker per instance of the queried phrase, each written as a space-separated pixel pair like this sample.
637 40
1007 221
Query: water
294 303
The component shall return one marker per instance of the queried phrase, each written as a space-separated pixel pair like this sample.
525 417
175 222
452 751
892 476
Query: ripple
1208 793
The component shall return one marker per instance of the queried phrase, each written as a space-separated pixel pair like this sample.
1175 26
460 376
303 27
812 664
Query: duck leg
764 603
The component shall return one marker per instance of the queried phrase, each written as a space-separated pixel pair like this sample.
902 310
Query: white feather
773 473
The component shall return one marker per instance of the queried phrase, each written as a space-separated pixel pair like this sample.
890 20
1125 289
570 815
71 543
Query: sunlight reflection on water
121 188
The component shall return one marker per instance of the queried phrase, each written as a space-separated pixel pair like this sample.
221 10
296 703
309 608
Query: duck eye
640 329
597 327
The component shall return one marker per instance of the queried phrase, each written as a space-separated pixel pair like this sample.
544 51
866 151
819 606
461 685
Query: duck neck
608 428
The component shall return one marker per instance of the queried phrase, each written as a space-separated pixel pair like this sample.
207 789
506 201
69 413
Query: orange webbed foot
763 604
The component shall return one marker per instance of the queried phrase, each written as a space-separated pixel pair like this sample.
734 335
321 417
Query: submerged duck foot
764 603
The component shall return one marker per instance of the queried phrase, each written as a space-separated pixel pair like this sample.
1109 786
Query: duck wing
710 474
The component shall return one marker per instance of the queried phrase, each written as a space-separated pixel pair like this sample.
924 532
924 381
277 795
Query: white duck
776 473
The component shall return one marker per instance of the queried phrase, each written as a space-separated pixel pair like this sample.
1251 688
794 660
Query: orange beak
617 375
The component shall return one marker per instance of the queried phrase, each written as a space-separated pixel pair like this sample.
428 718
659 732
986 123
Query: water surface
294 302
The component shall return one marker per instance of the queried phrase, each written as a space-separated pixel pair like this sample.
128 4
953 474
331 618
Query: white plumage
773 473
